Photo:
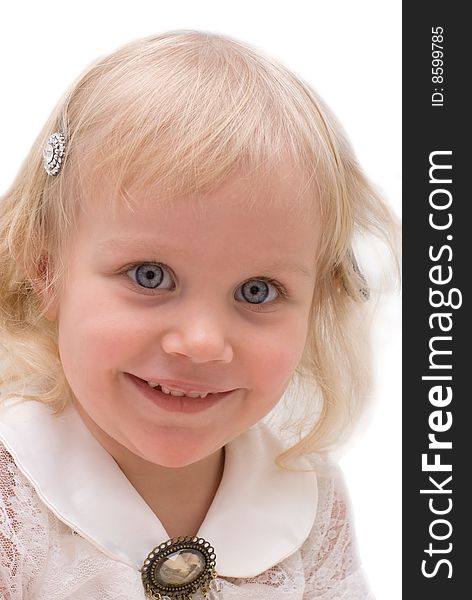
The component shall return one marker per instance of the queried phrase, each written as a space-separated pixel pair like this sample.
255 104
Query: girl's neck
180 497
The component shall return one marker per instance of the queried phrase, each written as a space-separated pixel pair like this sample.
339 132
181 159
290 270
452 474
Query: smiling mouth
178 401
178 393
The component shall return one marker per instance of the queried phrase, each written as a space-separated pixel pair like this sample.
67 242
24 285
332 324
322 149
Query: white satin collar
259 516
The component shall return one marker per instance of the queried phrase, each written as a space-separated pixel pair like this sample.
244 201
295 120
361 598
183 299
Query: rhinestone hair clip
53 153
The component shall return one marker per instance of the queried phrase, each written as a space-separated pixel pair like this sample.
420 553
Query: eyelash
281 290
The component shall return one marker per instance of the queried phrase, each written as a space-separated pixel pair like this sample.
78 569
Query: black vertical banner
437 256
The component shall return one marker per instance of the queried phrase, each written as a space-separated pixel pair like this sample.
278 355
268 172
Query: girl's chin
177 450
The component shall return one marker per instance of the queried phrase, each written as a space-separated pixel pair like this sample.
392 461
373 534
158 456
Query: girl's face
200 294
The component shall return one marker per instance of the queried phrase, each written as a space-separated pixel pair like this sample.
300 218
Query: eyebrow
150 248
290 267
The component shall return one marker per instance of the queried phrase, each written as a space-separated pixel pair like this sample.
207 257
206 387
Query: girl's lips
185 386
181 404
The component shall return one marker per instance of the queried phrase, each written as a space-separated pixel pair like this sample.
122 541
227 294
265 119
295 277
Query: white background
350 52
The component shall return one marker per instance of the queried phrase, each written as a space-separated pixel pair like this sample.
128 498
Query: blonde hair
185 110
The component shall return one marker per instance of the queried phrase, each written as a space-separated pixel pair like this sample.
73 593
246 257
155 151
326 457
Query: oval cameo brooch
180 568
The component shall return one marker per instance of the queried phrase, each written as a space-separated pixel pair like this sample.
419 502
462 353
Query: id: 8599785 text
437 66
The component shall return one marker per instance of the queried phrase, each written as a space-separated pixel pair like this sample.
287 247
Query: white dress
72 525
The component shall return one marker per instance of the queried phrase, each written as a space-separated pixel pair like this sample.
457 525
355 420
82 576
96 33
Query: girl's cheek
101 338
281 359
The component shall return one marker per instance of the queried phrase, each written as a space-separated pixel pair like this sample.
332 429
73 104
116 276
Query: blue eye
149 275
257 291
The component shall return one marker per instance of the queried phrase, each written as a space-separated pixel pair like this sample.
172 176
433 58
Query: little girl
177 255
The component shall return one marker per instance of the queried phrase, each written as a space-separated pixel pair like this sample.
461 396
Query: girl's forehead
233 228
262 214
285 187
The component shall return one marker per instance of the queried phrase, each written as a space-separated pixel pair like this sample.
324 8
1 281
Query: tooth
177 393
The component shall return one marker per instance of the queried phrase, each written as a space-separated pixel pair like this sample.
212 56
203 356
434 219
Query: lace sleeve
23 532
330 556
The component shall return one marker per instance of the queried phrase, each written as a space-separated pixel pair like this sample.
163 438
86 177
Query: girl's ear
41 279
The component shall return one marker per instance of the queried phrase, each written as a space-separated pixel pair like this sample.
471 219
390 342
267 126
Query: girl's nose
199 338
